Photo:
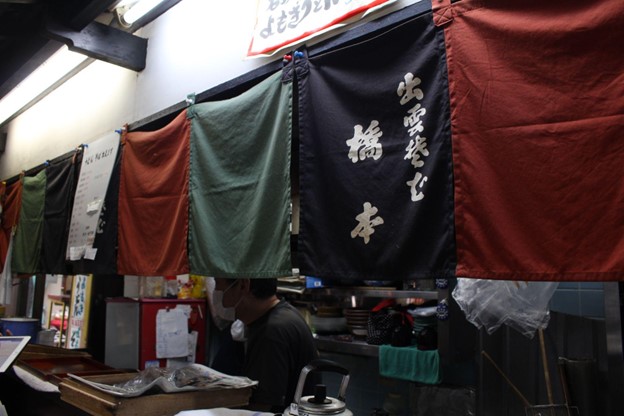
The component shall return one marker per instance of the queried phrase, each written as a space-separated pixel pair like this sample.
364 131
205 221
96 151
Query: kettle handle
323 365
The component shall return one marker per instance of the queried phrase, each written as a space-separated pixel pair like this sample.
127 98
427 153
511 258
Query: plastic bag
489 304
171 380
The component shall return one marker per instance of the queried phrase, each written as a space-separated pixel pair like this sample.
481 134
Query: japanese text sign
95 172
280 23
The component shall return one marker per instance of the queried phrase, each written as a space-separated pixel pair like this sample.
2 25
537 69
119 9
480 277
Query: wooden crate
55 368
99 403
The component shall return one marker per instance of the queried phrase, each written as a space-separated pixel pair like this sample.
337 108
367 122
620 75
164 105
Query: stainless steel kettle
319 403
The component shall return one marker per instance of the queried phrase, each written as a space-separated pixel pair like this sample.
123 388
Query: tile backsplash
579 298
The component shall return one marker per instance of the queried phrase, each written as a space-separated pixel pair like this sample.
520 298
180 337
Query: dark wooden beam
102 42
20 1
88 13
77 14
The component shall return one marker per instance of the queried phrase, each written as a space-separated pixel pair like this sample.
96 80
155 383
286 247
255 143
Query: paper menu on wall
180 362
171 333
192 345
98 160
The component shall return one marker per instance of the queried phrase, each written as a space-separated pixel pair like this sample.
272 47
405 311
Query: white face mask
227 314
221 316
238 331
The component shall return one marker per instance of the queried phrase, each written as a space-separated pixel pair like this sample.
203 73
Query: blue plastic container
20 326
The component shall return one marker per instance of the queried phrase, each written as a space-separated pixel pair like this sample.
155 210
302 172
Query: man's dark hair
263 288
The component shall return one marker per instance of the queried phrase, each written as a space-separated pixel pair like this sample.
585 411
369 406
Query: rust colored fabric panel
4 246
11 206
537 99
153 201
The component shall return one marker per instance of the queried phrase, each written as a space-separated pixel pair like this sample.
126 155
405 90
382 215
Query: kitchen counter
356 346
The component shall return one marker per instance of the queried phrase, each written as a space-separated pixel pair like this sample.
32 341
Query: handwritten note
171 333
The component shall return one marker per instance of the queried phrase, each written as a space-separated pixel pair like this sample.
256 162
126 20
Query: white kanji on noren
413 119
408 89
418 181
365 144
416 147
366 223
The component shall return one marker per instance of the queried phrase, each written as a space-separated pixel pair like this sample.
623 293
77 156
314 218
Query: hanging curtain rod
231 87
243 82
35 170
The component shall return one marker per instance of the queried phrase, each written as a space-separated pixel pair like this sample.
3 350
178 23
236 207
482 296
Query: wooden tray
54 369
45 351
99 403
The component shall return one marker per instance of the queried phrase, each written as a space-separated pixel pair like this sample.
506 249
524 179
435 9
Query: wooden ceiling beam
102 42
77 14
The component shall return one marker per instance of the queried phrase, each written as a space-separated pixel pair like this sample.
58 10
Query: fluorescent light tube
139 10
45 76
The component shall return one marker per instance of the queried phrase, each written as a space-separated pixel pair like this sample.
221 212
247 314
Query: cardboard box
99 403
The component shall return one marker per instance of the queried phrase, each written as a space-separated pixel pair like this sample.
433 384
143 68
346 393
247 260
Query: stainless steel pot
320 403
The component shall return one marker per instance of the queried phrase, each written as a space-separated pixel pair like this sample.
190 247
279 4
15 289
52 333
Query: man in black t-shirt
279 343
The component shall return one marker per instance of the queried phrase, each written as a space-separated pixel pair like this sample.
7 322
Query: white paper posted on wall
171 333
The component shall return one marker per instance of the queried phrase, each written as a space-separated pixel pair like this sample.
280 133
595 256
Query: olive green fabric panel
240 183
27 240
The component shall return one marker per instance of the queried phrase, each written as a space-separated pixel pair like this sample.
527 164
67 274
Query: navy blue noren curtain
375 159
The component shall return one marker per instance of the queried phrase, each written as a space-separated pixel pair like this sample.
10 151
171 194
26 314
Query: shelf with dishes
349 330
373 292
339 314
345 344
314 287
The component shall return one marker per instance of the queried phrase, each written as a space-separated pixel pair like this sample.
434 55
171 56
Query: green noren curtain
27 243
240 183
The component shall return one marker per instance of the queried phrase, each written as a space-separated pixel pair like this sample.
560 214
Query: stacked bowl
357 321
